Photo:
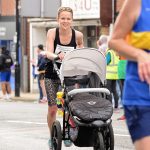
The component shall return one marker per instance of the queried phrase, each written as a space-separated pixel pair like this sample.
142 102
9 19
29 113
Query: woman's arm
50 44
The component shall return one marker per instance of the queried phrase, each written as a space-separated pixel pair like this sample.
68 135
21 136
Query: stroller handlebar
101 90
56 58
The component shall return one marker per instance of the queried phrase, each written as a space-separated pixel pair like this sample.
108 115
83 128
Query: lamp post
17 65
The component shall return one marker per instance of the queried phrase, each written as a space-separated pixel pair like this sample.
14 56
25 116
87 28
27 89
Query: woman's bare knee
52 110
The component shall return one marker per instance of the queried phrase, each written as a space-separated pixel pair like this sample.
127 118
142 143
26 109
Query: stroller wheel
56 136
99 143
109 138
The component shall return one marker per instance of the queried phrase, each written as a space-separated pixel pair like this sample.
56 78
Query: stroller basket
88 107
86 137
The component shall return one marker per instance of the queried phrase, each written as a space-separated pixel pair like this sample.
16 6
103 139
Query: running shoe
43 101
67 143
50 144
122 118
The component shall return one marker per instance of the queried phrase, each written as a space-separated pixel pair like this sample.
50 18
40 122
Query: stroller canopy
82 61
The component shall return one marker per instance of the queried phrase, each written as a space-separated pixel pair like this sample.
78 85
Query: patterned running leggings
52 87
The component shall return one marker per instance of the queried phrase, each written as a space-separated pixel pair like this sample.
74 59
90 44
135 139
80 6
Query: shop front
39 28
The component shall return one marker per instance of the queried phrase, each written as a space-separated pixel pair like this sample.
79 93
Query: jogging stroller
86 110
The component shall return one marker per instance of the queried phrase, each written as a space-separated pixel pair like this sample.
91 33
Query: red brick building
7 7
108 13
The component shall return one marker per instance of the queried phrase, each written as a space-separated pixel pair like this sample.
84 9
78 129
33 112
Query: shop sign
83 9
42 8
2 31
7 30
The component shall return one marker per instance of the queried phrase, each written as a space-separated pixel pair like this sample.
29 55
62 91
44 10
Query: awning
37 22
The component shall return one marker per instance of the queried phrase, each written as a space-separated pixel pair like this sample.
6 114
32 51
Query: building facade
7 24
8 30
86 20
92 17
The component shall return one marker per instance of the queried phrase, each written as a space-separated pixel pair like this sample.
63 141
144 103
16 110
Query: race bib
64 49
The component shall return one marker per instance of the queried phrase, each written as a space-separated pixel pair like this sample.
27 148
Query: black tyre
99 142
109 138
56 135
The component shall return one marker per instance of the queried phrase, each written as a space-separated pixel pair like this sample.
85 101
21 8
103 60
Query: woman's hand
144 67
61 55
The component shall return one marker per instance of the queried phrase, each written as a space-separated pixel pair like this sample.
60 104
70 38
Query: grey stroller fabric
90 64
81 62
95 82
88 107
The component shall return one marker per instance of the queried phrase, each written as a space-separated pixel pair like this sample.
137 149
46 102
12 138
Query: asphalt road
23 127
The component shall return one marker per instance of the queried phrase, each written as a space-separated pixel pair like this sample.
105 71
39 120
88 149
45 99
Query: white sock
44 97
8 96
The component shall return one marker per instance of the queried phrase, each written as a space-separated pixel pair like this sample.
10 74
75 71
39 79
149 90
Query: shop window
92 36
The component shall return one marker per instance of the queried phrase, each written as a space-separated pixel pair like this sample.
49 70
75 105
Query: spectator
41 69
112 75
36 74
5 68
121 76
102 44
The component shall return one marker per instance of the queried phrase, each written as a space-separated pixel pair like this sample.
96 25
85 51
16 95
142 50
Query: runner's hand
144 67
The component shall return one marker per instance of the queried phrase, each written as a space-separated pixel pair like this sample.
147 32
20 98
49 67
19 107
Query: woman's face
65 20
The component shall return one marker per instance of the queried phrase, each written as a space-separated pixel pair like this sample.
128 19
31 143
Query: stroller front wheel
56 136
99 142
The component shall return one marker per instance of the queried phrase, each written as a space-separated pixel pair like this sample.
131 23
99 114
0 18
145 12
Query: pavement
27 97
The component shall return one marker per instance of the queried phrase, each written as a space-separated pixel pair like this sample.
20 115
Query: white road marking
26 122
124 135
40 123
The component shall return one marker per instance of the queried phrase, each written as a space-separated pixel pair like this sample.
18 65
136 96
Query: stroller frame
99 134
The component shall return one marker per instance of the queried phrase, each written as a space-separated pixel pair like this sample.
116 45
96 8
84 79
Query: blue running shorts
138 121
5 76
